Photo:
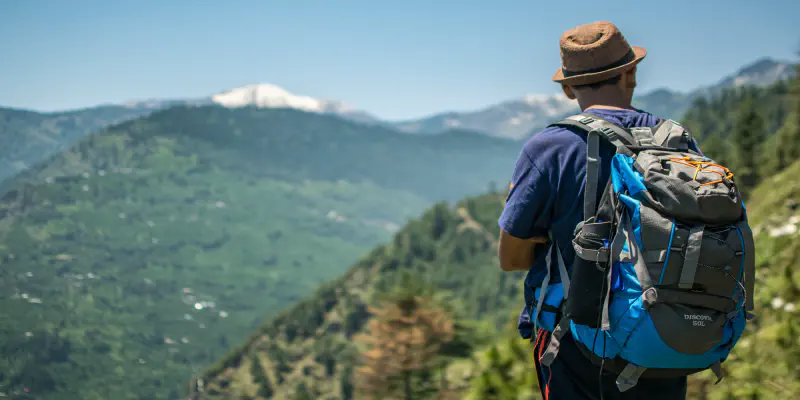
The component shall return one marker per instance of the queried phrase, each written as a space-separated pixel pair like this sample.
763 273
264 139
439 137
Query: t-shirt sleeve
527 210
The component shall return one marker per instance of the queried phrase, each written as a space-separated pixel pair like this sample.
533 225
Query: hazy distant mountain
517 118
672 104
512 119
29 137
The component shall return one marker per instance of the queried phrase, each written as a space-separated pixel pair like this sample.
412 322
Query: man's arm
517 254
525 221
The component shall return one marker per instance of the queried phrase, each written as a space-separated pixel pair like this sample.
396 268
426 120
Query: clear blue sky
396 59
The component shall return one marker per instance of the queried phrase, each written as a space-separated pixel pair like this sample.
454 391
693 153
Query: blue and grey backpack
663 278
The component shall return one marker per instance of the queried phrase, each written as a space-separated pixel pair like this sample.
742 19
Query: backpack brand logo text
697 319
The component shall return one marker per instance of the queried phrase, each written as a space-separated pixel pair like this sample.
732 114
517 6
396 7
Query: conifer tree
789 134
260 378
748 139
403 341
715 147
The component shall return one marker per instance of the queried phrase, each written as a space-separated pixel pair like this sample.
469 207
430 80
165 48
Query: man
599 71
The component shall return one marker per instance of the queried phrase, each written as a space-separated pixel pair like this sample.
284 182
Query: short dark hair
597 85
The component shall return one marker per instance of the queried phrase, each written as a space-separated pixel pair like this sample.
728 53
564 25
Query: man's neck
607 106
608 100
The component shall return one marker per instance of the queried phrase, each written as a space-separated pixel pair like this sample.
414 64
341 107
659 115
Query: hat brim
594 77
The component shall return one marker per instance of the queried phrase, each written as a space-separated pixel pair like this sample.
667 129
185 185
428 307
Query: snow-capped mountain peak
267 95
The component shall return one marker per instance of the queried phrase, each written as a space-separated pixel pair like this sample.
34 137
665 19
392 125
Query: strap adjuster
586 120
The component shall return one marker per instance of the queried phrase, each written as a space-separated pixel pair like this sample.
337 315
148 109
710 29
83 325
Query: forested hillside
136 258
29 137
312 350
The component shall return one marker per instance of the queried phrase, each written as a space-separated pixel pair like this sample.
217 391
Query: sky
395 59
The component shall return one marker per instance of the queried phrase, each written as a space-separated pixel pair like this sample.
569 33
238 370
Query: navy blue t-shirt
548 183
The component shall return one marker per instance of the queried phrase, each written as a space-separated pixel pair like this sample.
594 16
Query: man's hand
516 254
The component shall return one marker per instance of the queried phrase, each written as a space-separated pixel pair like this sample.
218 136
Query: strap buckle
609 132
586 120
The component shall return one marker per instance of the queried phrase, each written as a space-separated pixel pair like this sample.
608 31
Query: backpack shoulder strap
596 127
588 123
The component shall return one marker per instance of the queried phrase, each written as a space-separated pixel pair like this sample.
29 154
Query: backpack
663 278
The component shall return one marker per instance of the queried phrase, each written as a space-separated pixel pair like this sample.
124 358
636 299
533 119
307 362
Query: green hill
29 137
135 258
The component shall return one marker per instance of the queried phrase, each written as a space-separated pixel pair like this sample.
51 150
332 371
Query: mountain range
31 136
140 254
515 118
520 117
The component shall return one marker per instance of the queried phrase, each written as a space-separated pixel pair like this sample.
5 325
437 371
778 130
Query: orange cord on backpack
704 167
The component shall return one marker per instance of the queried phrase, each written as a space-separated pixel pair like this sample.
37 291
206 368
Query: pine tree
748 138
403 340
789 134
717 148
260 378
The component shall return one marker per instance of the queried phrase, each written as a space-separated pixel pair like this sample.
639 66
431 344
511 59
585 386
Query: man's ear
568 92
630 79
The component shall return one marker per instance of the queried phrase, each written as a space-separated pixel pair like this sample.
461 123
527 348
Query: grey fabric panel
629 377
720 262
686 329
668 191
633 255
655 256
555 342
691 257
654 296
592 175
661 134
644 136
672 134
656 229
655 234
642 271
749 264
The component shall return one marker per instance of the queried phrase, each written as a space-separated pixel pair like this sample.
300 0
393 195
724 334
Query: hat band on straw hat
628 57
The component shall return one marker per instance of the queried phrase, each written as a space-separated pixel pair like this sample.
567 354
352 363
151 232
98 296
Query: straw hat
595 52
